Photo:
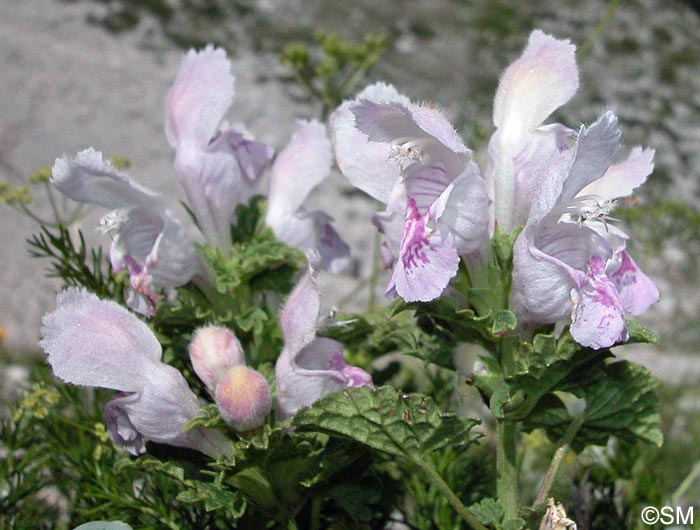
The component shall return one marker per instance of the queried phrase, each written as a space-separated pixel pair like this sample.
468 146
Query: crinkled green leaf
503 321
640 334
516 523
374 335
252 320
214 496
488 511
447 320
248 220
250 261
208 417
529 371
256 260
621 400
385 419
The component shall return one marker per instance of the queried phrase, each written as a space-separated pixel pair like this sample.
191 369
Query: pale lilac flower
297 170
241 393
218 168
410 158
309 367
522 147
569 261
98 343
147 240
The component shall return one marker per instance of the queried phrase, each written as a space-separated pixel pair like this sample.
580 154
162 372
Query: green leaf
374 335
249 218
208 417
640 334
387 420
251 261
75 265
446 319
358 498
534 369
488 511
214 497
621 400
503 321
103 525
503 246
516 523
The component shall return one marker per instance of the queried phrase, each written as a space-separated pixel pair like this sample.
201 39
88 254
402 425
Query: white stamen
406 151
589 208
112 221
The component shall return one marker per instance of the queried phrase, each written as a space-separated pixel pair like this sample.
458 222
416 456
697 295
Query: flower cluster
555 185
559 184
98 343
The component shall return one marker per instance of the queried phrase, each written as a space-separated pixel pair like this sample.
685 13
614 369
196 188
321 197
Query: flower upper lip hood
520 150
98 343
221 169
296 171
568 260
148 240
309 367
218 169
410 157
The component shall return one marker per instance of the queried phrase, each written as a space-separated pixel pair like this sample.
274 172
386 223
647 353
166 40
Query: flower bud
243 397
213 350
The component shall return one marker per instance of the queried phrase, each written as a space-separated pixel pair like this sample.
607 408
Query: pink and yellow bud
244 398
213 350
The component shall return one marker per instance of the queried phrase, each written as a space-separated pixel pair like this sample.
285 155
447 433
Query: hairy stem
562 446
374 275
507 473
450 495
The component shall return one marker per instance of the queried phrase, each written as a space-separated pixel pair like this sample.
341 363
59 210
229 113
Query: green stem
562 447
507 473
685 485
440 484
374 275
52 202
598 30
315 513
24 209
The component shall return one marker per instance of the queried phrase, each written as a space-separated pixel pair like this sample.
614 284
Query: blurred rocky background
95 73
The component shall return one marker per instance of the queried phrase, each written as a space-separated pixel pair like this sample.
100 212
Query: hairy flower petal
98 343
597 318
427 261
90 179
622 179
535 85
199 97
637 292
297 170
365 164
308 367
